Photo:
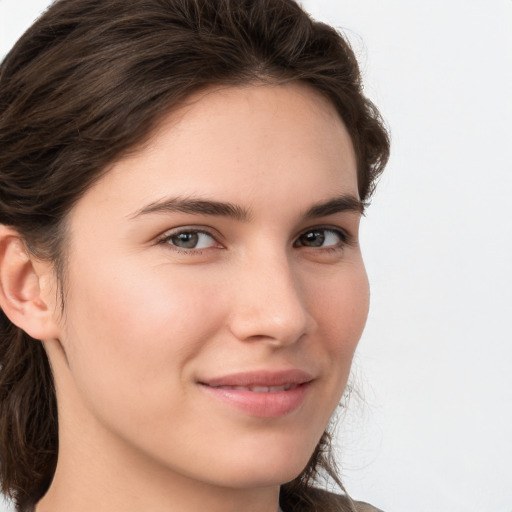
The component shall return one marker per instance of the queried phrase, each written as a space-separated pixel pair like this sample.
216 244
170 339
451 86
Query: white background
433 431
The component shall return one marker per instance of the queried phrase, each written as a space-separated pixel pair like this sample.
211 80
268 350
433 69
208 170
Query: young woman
181 286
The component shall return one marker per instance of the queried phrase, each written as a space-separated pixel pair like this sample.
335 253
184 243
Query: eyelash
167 237
344 239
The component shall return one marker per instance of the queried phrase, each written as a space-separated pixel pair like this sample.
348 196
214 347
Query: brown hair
88 82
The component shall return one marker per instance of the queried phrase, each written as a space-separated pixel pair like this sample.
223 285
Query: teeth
260 389
275 389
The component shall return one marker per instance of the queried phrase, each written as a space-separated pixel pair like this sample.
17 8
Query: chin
266 477
269 467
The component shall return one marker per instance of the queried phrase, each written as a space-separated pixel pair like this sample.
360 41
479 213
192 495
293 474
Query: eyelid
345 236
168 234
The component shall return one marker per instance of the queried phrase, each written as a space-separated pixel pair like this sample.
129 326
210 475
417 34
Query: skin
146 321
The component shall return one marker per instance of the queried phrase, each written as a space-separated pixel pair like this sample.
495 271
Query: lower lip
262 405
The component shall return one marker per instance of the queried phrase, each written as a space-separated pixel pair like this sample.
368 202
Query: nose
269 303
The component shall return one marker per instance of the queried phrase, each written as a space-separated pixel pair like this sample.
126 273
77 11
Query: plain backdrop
433 429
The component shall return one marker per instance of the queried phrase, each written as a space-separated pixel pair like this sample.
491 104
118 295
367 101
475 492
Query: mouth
260 389
261 394
261 381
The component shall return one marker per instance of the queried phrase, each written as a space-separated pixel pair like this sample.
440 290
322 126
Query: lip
270 403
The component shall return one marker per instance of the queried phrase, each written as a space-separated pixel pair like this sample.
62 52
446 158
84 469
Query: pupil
186 240
314 239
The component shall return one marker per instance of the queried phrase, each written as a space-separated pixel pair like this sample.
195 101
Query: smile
261 394
260 389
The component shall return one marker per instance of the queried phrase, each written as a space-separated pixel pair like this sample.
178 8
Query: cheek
134 309
341 309
132 335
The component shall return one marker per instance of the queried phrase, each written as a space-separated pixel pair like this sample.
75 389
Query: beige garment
365 507
330 502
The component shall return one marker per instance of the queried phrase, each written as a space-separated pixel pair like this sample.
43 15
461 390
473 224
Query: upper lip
260 378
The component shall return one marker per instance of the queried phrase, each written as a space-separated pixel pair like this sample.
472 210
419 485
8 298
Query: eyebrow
195 206
343 203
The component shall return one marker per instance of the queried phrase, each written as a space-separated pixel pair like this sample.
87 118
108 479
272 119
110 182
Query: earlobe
22 298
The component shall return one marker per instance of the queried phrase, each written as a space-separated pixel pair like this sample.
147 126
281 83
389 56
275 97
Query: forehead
230 114
283 102
257 143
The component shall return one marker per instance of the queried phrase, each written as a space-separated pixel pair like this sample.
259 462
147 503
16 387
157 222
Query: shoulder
365 507
339 503
360 506
344 503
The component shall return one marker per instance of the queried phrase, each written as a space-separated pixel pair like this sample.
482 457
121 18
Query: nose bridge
269 301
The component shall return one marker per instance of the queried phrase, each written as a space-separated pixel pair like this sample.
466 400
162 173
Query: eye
322 237
190 239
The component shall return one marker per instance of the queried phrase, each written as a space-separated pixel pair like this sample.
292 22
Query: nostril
269 328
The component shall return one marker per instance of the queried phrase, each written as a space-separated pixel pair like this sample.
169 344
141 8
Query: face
215 290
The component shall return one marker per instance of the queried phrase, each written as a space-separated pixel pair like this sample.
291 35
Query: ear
27 288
